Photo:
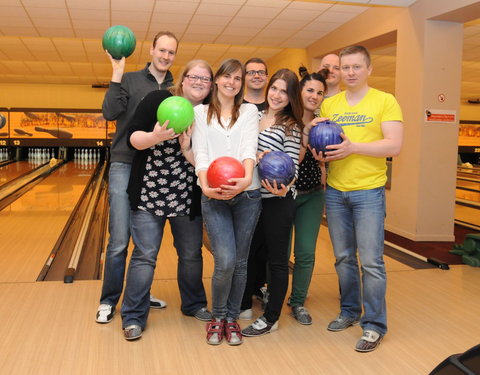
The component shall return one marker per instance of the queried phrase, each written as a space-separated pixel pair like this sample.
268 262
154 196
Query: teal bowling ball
119 41
179 112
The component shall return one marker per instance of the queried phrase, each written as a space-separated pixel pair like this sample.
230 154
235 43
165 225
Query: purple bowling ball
278 166
325 133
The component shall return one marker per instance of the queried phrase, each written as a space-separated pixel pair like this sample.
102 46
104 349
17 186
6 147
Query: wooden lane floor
49 328
31 225
13 170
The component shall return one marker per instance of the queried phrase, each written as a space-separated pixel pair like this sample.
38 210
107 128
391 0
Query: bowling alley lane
30 226
13 170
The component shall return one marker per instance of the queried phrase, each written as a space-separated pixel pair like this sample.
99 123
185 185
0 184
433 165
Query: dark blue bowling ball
325 133
278 166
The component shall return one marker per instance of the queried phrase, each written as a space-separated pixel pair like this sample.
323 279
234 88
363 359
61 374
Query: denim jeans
147 233
230 225
119 229
356 224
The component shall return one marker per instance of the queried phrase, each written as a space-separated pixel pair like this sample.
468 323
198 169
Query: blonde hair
178 88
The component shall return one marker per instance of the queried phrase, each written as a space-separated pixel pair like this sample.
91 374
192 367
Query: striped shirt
275 139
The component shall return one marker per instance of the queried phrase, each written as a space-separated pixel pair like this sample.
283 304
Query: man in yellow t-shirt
372 124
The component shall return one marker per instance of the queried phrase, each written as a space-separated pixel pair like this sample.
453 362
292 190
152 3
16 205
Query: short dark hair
356 49
256 60
164 33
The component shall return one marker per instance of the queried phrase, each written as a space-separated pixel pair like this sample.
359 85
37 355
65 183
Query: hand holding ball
325 133
119 41
223 169
276 166
179 112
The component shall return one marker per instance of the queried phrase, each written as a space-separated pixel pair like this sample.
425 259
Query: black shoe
259 327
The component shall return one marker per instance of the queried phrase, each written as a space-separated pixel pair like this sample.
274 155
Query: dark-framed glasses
259 72
193 78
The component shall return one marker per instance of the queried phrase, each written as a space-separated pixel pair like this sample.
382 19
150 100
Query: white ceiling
59 41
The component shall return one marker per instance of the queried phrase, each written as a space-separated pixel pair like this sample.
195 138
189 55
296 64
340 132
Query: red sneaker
233 333
215 330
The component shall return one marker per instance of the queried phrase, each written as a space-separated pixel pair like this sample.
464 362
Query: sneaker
132 332
301 314
246 314
259 327
215 331
369 341
156 303
340 323
203 314
105 313
232 333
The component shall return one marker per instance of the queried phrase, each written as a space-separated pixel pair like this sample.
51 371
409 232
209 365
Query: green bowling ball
119 41
179 112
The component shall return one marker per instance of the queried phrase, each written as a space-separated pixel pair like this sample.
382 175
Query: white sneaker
246 314
156 303
105 313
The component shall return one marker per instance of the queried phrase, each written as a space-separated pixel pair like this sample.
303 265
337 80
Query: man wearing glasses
256 79
255 82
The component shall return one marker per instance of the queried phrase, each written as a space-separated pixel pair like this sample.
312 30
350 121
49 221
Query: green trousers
308 217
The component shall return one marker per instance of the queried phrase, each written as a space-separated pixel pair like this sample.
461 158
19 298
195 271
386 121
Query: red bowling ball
223 169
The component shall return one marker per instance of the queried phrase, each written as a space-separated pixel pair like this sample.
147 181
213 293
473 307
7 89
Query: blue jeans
147 234
356 224
230 225
119 229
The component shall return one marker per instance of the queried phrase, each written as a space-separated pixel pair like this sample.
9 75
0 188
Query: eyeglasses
193 78
261 73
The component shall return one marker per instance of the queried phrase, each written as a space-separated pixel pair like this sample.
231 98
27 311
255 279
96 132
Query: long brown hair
292 114
214 108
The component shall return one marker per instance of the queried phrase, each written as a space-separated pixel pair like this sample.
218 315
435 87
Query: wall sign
441 116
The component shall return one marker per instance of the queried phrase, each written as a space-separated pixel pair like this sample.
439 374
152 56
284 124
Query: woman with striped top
280 130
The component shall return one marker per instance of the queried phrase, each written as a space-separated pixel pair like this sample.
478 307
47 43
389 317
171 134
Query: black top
309 174
261 107
162 180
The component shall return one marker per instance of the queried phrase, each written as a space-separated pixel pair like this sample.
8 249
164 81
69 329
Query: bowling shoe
369 341
260 327
156 303
301 314
105 313
132 332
